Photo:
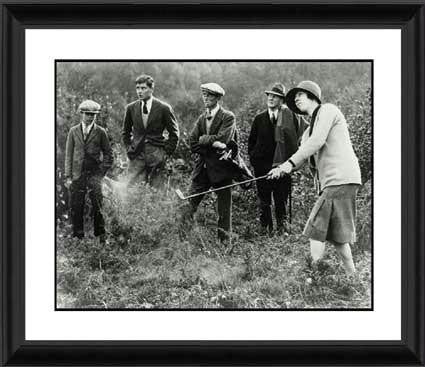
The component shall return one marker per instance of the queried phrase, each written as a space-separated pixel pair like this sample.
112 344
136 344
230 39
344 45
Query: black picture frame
18 15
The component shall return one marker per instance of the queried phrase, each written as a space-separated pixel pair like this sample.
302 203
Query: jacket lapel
152 112
92 133
216 121
203 123
267 118
138 114
79 133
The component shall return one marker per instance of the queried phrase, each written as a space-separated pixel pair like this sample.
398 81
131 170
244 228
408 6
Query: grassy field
148 263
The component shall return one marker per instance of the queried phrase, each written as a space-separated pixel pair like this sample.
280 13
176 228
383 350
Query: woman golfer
327 147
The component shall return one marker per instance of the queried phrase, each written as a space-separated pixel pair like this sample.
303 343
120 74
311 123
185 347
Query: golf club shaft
226 187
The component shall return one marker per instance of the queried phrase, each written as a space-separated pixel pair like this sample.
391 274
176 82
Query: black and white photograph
213 185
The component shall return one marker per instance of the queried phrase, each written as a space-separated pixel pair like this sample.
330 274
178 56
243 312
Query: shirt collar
273 113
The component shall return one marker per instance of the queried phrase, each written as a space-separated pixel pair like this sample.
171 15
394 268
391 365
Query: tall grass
148 262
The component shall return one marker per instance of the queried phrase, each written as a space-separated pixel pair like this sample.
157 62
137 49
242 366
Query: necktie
273 119
145 108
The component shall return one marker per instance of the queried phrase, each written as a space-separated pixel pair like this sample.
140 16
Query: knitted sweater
330 144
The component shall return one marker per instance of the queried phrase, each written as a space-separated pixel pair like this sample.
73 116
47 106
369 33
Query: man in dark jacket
273 138
86 143
214 129
145 123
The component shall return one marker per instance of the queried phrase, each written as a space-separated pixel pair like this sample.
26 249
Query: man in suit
88 158
273 139
145 123
214 129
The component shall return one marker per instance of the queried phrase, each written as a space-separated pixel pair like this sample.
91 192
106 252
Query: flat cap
213 88
89 106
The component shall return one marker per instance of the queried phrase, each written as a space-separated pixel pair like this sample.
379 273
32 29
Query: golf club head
179 194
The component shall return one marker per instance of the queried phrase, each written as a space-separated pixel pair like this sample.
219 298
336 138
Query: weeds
146 263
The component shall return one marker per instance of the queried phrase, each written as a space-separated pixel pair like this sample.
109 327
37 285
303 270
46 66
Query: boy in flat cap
145 122
214 129
273 139
327 147
88 158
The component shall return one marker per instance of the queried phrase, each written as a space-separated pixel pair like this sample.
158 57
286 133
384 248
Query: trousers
90 183
224 203
148 167
279 190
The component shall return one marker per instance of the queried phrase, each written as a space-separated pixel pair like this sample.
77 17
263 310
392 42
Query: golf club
182 197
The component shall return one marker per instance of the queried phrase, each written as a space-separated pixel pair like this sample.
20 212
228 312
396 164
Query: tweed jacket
330 144
223 129
270 145
161 118
95 153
